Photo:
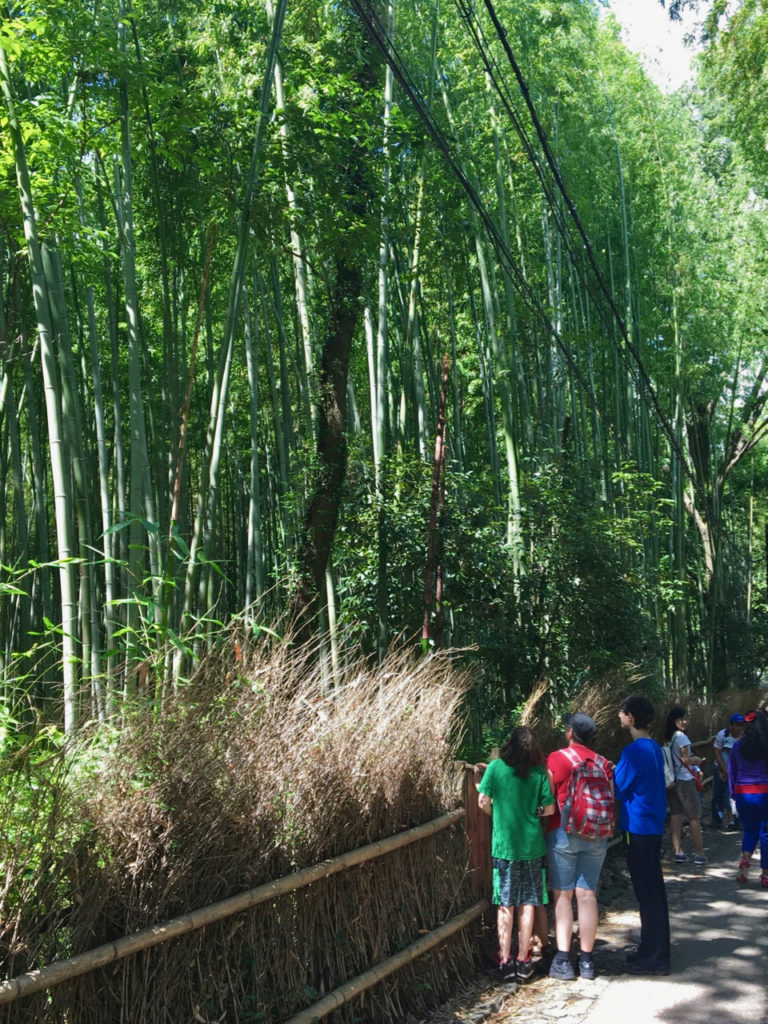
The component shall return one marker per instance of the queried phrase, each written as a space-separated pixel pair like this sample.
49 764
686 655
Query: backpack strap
575 760
572 756
598 759
675 755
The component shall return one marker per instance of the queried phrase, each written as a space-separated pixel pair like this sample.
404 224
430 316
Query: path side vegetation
251 775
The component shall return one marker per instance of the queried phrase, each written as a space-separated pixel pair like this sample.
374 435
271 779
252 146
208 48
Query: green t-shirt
517 831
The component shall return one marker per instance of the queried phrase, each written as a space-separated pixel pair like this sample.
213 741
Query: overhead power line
643 380
380 38
385 45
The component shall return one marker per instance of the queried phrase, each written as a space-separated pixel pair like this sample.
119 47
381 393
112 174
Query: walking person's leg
562 876
524 932
503 884
541 931
764 854
748 808
586 900
695 827
676 815
528 891
676 828
563 905
590 860
690 802
719 798
763 811
504 921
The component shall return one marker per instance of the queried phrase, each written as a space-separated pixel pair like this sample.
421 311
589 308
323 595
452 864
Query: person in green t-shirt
515 792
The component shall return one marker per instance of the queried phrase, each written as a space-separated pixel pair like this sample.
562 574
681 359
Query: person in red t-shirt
574 861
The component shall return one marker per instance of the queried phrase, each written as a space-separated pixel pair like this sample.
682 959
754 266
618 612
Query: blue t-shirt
639 785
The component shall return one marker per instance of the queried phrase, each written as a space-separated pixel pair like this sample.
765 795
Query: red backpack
587 810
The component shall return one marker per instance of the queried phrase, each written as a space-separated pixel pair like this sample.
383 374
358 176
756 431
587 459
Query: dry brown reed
600 699
253 770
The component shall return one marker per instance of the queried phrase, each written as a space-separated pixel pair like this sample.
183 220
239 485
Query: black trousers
644 863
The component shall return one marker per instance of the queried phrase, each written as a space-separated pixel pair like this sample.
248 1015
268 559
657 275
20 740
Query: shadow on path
719 956
719 949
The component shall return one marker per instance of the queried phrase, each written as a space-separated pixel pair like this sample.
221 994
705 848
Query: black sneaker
506 971
587 968
525 969
542 961
562 970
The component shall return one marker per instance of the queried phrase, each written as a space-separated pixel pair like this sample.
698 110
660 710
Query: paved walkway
719 957
719 950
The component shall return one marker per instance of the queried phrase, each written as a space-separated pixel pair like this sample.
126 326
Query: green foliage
549 413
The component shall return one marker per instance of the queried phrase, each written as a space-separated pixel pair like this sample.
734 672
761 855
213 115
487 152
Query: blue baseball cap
735 719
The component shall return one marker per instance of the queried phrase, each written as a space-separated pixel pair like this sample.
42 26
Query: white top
724 740
678 743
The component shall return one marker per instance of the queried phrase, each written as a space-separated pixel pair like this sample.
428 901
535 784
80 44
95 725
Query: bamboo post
478 828
65 970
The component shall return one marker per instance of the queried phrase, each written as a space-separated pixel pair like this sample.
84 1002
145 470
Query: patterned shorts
517 883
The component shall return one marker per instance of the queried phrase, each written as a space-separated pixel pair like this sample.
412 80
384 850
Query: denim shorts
573 861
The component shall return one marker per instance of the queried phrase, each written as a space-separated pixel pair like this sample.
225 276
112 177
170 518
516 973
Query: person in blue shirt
639 785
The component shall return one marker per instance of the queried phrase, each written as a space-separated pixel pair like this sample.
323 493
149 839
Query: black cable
647 386
379 37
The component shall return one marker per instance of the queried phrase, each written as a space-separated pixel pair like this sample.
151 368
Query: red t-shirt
560 765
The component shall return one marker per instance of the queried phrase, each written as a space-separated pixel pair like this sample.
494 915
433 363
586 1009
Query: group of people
739 784
537 846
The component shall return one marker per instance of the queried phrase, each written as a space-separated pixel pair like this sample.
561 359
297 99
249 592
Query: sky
647 29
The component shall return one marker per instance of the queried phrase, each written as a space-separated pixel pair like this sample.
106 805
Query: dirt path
719 956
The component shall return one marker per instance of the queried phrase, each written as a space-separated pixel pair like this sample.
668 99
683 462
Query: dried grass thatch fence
66 970
255 773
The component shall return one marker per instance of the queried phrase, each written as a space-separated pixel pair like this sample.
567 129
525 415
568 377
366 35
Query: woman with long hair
748 780
682 795
515 792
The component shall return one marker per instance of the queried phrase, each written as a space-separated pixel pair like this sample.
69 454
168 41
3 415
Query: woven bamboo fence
257 849
477 836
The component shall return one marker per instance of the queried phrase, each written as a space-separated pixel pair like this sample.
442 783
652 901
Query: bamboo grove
252 253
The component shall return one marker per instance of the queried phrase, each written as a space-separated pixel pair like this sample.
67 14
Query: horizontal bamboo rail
351 989
73 967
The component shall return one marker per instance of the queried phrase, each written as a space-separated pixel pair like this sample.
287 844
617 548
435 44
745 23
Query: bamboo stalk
350 989
62 486
438 470
73 967
209 486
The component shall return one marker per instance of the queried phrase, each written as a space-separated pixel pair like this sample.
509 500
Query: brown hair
522 751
